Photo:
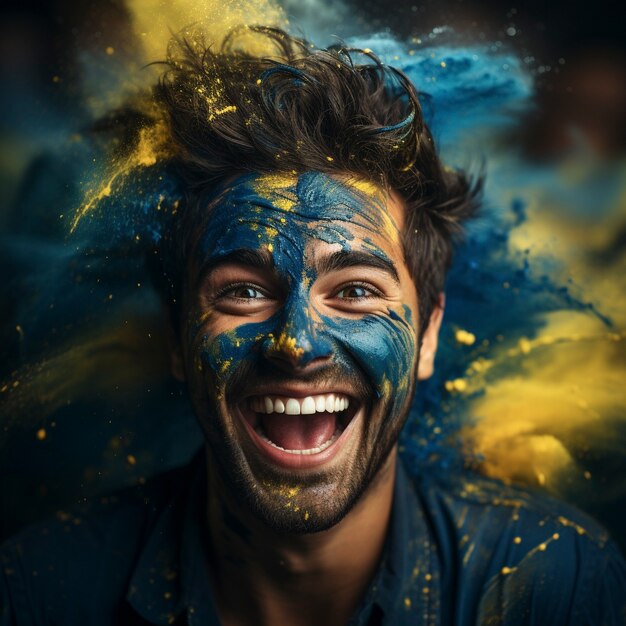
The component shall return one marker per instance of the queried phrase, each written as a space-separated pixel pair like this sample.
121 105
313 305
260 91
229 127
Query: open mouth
300 431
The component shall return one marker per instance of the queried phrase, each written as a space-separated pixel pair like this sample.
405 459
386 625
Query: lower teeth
317 450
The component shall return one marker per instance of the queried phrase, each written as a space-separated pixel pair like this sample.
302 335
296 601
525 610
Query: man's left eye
354 292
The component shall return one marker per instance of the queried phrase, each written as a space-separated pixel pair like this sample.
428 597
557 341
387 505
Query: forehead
289 211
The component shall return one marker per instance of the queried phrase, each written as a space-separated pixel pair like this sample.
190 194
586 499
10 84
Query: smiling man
300 345
304 274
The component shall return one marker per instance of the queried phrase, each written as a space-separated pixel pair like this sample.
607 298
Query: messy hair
335 110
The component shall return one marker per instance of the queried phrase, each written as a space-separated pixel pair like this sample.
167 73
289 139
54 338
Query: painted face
301 342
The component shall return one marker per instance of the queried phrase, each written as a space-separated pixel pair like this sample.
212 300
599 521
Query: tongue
299 432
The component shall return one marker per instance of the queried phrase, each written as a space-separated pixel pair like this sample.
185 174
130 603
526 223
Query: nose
297 344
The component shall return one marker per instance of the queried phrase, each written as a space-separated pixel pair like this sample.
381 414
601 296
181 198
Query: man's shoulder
87 553
506 550
475 501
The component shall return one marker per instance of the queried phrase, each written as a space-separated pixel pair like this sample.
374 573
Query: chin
293 498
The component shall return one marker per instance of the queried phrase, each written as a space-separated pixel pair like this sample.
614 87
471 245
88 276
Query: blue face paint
285 216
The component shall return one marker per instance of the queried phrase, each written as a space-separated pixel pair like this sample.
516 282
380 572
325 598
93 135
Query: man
304 276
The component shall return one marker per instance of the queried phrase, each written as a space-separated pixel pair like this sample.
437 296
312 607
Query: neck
296 579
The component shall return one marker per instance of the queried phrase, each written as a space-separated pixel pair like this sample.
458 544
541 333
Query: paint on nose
298 341
285 347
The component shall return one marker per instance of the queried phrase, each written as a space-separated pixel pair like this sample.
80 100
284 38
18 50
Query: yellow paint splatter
458 385
279 188
480 365
568 523
526 422
153 145
41 434
364 186
286 345
155 20
204 317
231 108
465 337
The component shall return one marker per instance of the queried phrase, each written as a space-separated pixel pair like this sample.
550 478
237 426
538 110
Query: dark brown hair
337 110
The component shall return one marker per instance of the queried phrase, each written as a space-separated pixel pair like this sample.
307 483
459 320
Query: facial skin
299 287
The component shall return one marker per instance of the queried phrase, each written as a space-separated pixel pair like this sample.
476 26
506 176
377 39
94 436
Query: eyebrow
258 259
345 259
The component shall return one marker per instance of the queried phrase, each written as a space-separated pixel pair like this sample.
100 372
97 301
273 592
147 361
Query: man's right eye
243 292
242 299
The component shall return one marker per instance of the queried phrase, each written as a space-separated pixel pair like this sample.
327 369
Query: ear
177 369
429 341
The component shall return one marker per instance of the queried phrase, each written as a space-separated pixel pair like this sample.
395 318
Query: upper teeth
330 403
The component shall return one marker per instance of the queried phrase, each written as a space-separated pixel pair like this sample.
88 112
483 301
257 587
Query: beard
294 502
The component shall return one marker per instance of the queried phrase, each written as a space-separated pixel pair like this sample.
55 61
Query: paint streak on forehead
373 194
279 188
256 209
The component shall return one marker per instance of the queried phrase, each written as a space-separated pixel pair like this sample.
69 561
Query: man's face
300 342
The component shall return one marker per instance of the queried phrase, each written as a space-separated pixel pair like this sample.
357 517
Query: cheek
384 346
219 356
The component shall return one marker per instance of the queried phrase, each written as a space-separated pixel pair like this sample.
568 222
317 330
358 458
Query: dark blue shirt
460 552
